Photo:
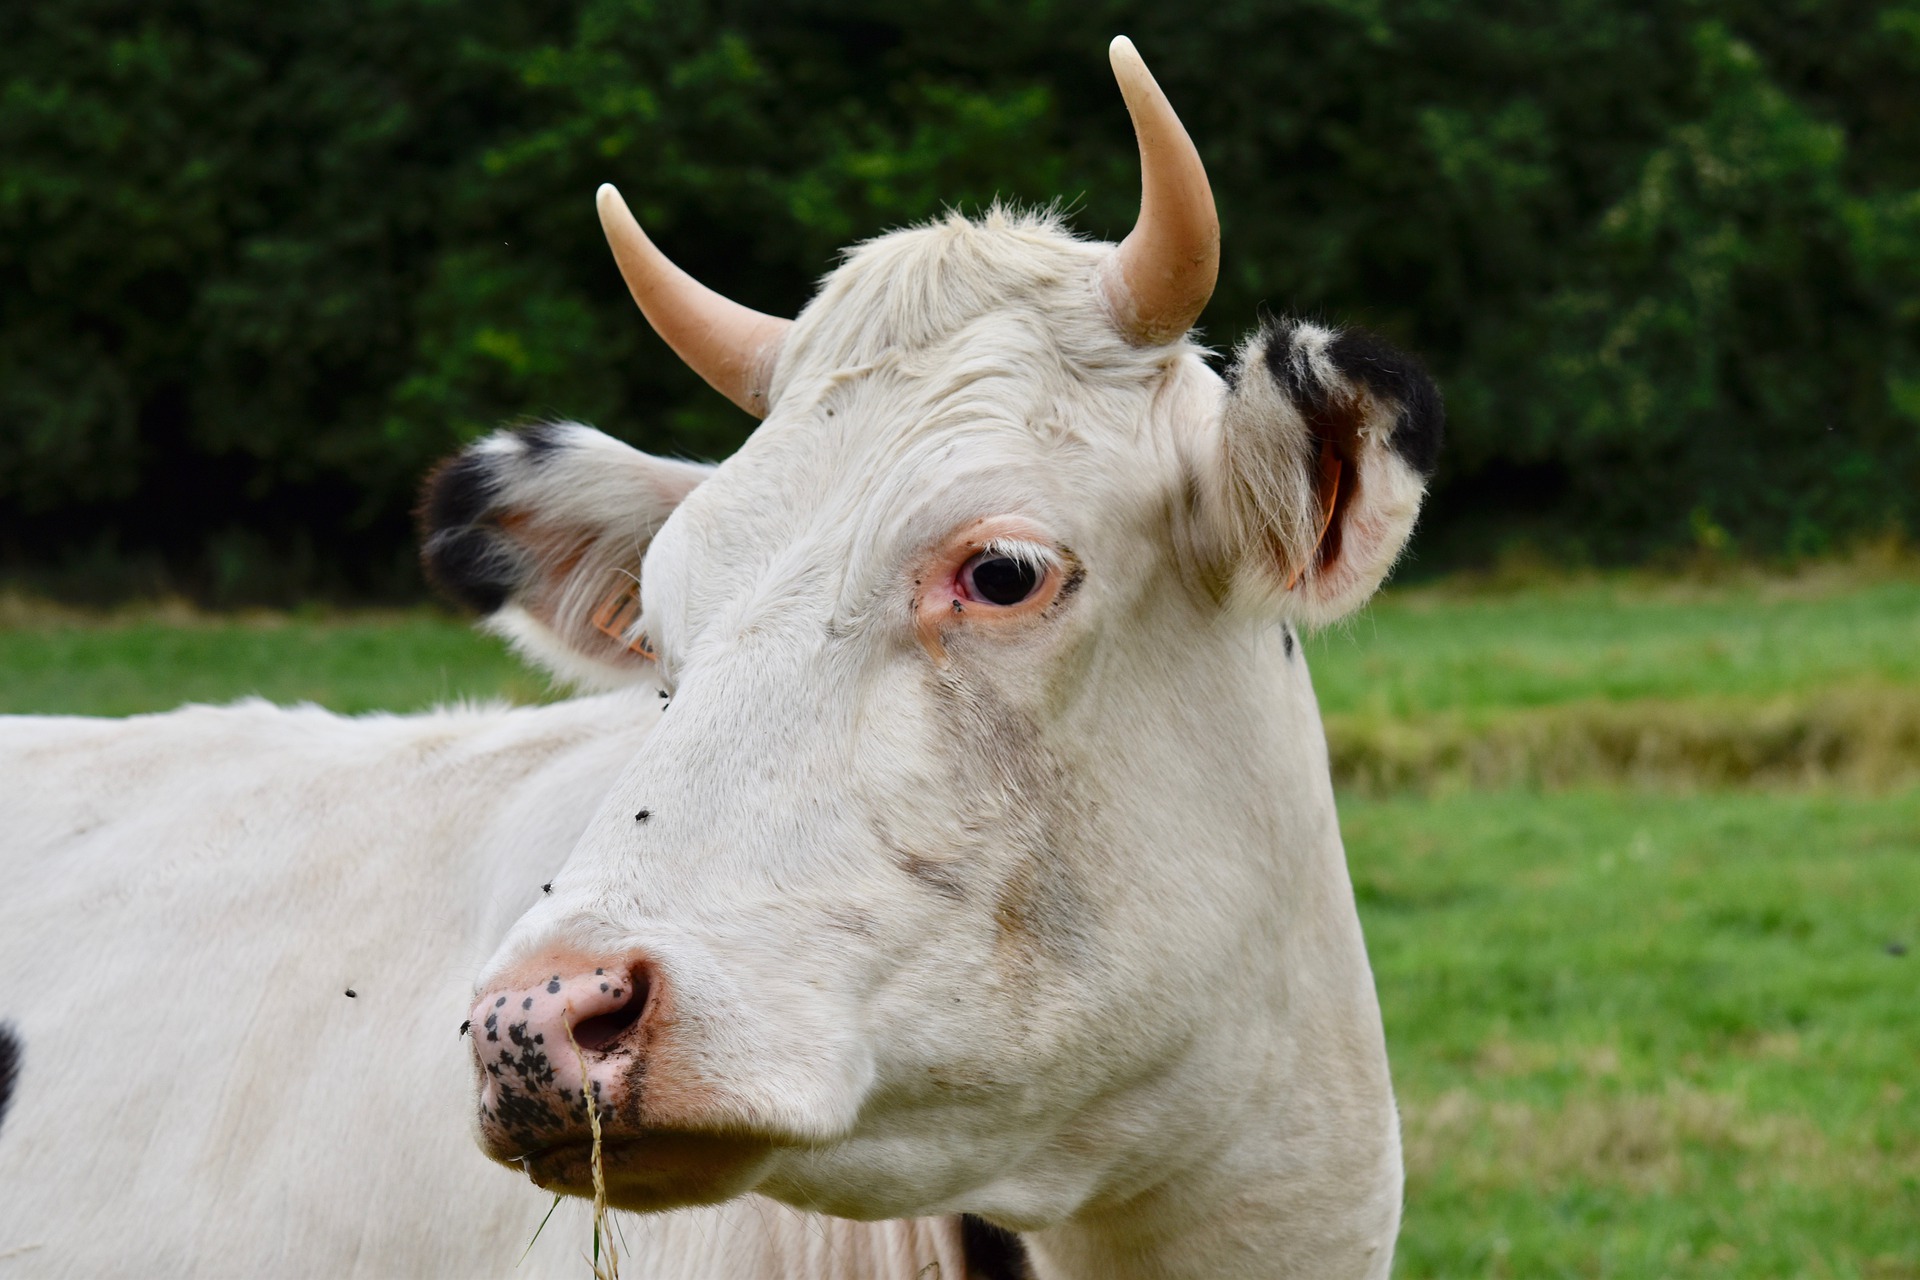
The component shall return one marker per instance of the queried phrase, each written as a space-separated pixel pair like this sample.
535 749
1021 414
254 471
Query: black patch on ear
1392 375
1231 375
1291 376
1387 373
10 1055
992 1253
542 439
474 565
457 492
463 553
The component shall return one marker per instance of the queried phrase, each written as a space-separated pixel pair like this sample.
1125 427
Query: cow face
982 855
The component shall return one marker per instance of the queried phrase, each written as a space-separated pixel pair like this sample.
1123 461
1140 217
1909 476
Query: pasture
1638 860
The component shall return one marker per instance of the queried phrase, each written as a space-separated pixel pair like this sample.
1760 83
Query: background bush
260 265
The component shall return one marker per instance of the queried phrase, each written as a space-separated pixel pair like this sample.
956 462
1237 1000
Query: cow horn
1159 279
734 348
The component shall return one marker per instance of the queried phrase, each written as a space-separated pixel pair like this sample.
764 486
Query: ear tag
1330 470
617 614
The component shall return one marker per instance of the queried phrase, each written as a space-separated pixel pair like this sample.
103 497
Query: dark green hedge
260 264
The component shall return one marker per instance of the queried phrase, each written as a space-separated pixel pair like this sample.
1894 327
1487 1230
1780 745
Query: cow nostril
597 1033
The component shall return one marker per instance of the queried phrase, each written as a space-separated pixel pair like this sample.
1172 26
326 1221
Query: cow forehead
823 531
943 374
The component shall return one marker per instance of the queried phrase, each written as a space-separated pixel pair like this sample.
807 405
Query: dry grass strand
606 1258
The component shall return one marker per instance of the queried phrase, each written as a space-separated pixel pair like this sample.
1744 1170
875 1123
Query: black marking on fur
992 1253
352 994
1393 375
643 815
462 552
1389 375
542 439
466 1026
459 491
474 565
547 887
11 1052
1289 375
1286 639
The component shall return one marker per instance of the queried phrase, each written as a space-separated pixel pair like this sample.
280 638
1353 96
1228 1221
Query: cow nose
543 1046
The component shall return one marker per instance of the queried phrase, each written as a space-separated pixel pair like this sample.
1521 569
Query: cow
941 876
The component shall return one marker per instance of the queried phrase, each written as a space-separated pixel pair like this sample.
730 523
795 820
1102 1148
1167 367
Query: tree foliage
260 265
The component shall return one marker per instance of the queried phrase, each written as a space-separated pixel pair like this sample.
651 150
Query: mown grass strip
1864 737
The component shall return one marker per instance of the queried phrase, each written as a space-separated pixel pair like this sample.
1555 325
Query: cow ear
542 529
1327 440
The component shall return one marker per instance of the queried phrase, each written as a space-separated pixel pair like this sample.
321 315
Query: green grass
1423 652
1642 1035
61 664
1616 680
1644 1013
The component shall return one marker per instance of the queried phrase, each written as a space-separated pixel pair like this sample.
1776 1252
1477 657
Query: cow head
983 855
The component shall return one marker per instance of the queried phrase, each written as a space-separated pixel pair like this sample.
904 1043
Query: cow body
188 899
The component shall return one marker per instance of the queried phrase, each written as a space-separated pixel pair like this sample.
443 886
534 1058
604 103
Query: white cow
957 837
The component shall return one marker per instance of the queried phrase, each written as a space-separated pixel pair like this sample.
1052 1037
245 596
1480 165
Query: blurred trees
260 265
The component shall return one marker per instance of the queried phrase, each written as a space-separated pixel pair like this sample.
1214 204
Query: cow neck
1301 1176
1276 1203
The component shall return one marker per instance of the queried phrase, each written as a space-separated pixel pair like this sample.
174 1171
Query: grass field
1646 1035
1639 863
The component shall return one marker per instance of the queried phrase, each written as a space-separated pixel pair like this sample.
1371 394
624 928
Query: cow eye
999 579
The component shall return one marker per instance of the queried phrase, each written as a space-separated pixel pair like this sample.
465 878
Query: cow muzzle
565 1041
